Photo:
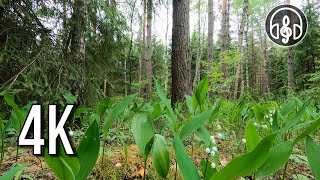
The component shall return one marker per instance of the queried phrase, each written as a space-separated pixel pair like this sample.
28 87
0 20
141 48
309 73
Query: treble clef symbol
285 31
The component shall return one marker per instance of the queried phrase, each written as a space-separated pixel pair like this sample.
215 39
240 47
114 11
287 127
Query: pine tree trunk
224 47
253 66
210 44
240 41
290 65
149 51
143 47
166 69
77 47
181 65
247 52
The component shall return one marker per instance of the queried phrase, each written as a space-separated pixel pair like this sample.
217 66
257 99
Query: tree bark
224 47
290 65
253 66
149 51
240 41
143 47
166 69
181 65
210 44
77 47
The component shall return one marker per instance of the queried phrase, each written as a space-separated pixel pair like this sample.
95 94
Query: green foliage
248 163
160 155
313 151
252 136
11 174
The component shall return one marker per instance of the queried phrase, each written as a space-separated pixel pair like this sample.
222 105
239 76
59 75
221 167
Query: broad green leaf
12 172
297 118
288 108
17 118
248 163
103 106
142 132
70 98
88 150
312 128
278 156
189 104
115 113
63 165
313 155
188 169
204 135
202 90
195 123
207 171
160 155
252 136
164 100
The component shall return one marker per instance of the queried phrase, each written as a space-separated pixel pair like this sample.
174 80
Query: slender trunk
224 47
149 51
290 65
247 52
166 69
253 66
266 64
210 44
181 64
240 41
143 47
77 47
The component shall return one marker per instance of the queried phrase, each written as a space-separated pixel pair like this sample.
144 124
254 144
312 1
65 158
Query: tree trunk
149 51
224 47
253 66
247 52
166 69
181 65
77 47
143 47
290 65
210 44
240 41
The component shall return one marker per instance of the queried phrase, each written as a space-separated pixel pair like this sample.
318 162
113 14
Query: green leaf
313 155
188 169
103 106
143 133
70 98
63 165
278 156
288 108
248 163
189 104
204 135
297 118
312 128
252 136
195 123
88 150
166 102
17 118
202 90
206 169
12 172
115 112
160 155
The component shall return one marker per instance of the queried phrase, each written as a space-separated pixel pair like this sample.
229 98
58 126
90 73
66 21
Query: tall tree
210 42
181 65
149 50
166 69
77 47
290 65
240 42
224 46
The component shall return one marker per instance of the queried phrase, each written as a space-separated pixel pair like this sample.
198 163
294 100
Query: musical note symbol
285 31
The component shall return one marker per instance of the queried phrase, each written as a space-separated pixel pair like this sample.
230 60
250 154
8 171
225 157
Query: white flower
266 116
208 150
219 127
264 126
244 141
256 124
270 115
271 120
71 133
220 136
212 153
215 149
273 111
212 139
213 165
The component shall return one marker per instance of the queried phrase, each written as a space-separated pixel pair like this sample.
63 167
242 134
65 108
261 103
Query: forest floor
116 166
